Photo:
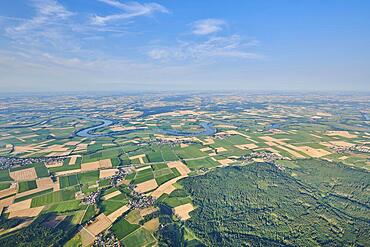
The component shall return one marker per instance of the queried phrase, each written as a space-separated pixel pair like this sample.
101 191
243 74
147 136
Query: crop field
67 181
66 206
122 228
18 199
88 177
140 237
54 197
109 206
5 185
4 176
27 185
201 163
271 170
143 176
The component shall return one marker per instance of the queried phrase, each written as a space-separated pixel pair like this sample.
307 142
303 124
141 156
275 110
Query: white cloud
55 27
55 45
130 10
158 53
48 11
229 46
208 26
49 27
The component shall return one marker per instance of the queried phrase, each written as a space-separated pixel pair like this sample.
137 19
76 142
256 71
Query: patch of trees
262 205
38 234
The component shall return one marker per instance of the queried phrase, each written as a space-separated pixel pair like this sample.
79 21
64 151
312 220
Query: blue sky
74 45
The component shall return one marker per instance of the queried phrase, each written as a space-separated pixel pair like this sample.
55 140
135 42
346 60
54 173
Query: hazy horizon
115 45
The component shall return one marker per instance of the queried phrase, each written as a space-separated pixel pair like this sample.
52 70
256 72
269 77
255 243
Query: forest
310 202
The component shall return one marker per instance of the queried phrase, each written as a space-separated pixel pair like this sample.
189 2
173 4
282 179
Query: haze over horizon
116 45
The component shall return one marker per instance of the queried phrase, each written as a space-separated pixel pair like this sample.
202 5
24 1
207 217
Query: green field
176 201
89 213
67 206
67 181
5 185
33 195
111 205
54 197
159 166
27 185
41 170
143 176
202 163
140 237
122 228
4 176
190 152
88 177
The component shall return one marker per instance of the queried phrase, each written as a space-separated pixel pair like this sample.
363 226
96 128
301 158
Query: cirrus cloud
232 46
207 26
130 10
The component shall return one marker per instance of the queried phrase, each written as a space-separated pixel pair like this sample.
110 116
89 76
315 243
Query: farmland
277 170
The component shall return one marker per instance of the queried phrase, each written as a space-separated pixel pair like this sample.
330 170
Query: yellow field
147 211
183 211
246 146
7 192
107 173
73 159
100 224
44 183
166 188
152 225
344 134
63 173
116 214
225 162
24 175
6 202
96 165
19 206
30 212
313 152
181 167
146 186
111 195
140 157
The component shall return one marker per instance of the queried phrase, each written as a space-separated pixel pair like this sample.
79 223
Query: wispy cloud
55 26
49 27
47 11
229 46
58 44
207 26
130 10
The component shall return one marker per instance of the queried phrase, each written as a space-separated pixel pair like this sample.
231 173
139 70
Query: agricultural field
211 169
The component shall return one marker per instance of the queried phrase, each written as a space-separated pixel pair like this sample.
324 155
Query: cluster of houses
107 239
362 148
265 156
355 148
9 162
120 175
139 200
172 142
92 198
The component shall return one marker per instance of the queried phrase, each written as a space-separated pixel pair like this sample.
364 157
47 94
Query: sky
169 45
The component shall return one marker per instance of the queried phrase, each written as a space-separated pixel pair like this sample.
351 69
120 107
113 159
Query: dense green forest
39 233
310 202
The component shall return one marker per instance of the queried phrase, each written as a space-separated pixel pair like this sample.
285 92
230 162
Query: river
89 132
